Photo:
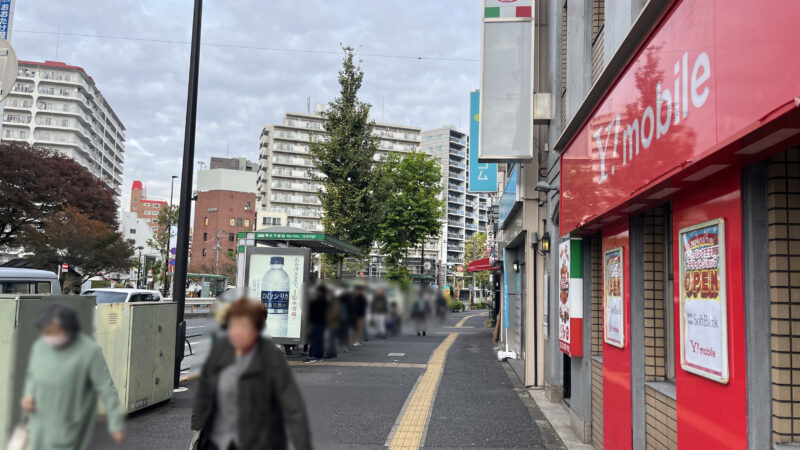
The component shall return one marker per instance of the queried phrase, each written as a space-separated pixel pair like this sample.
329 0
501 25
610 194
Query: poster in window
703 305
278 280
613 295
570 296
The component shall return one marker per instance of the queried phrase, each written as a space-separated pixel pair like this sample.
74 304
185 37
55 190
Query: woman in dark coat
247 396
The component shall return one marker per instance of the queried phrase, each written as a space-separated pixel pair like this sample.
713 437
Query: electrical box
138 341
17 334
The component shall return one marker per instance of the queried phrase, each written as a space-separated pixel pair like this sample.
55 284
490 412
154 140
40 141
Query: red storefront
712 92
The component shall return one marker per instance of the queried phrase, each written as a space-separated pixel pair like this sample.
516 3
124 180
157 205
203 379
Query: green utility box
138 341
17 334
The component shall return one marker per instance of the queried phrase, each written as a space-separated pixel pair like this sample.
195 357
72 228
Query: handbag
20 435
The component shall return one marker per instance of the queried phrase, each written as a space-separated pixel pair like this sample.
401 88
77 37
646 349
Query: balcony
458 164
456 152
452 199
455 236
458 141
456 176
455 212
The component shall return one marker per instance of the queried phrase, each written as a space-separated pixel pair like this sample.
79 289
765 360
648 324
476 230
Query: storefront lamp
545 243
515 266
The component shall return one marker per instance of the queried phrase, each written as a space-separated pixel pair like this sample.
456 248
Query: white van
28 281
123 295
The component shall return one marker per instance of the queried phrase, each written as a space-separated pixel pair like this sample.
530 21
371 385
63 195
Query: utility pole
185 213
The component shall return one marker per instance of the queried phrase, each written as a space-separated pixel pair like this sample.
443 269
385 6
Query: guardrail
193 303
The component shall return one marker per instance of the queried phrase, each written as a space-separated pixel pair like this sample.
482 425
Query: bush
479 305
455 306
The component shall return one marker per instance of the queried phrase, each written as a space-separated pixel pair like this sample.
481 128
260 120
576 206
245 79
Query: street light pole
172 188
185 199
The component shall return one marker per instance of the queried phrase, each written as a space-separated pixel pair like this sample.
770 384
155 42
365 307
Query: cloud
243 89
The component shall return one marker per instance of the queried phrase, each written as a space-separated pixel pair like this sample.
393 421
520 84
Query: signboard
703 305
278 277
173 250
5 19
570 296
172 261
546 307
509 198
613 297
678 102
482 176
506 100
65 267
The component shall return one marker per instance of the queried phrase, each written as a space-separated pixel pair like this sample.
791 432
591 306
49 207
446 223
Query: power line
247 47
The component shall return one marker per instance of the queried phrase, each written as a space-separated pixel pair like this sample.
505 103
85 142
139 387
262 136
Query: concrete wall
227 180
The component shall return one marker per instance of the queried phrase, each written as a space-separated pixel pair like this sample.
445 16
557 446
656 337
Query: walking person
333 323
247 398
317 318
380 307
419 312
345 322
67 373
359 314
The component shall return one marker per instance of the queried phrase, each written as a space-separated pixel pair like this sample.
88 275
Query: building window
205 221
133 231
264 221
239 222
147 204
247 222
204 252
205 236
231 237
147 213
233 222
247 206
276 221
157 205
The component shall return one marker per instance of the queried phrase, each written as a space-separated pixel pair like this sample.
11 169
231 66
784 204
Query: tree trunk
339 266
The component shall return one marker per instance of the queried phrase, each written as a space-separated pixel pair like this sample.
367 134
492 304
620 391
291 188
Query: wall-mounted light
544 186
545 243
515 266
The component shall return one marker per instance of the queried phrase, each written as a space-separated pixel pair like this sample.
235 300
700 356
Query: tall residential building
225 205
144 208
285 185
466 212
58 106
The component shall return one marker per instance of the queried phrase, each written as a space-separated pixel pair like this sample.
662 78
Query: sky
259 60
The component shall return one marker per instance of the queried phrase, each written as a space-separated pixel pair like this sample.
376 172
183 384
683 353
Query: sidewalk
558 416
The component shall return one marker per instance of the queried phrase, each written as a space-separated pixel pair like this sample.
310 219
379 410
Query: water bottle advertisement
278 280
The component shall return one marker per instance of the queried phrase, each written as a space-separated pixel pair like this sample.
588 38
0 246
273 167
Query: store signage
613 298
509 198
482 176
703 305
680 100
570 296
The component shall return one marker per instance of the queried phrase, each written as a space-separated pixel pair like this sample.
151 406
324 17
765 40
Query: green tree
89 246
411 208
161 239
345 159
478 243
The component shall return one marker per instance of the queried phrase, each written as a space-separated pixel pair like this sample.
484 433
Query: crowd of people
342 316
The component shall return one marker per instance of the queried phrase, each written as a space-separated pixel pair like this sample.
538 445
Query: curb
559 418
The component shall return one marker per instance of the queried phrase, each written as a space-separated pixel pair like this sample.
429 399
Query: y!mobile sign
482 176
684 95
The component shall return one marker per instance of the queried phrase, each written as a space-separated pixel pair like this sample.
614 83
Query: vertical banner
505 289
570 305
613 298
5 18
703 305
482 176
546 307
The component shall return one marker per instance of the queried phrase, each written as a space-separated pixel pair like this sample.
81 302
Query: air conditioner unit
138 341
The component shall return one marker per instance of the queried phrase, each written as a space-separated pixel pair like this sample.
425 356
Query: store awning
481 264
297 237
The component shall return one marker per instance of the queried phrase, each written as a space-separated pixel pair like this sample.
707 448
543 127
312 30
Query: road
444 390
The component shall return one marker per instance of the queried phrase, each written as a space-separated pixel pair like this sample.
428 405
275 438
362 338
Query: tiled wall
783 204
598 19
661 420
654 331
597 341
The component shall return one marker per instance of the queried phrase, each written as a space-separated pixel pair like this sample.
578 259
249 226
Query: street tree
411 208
162 236
474 249
36 184
345 160
90 247
226 267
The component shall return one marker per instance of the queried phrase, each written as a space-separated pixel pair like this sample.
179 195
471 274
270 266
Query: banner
570 305
703 305
614 298
482 176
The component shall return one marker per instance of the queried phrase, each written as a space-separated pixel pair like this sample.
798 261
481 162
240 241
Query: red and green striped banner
507 8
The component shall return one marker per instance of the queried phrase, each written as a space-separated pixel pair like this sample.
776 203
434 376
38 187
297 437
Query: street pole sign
482 176
65 267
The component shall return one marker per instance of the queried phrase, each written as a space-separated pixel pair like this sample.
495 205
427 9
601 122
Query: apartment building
144 208
59 106
466 212
285 185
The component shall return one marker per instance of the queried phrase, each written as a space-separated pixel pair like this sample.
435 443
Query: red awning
480 264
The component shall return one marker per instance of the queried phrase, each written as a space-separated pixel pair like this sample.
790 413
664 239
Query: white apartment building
58 106
285 185
467 212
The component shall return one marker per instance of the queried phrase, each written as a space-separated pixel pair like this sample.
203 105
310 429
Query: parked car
111 295
28 281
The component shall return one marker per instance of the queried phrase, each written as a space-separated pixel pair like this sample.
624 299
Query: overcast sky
243 89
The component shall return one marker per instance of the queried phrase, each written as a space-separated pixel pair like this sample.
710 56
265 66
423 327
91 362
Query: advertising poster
278 280
703 307
613 295
570 296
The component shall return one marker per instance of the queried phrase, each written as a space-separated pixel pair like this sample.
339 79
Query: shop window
205 221
233 222
783 216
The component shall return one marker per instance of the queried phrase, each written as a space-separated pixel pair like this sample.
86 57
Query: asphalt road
361 399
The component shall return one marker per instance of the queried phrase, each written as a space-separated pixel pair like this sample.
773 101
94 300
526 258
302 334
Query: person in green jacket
66 374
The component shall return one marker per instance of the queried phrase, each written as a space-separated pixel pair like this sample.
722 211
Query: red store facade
684 185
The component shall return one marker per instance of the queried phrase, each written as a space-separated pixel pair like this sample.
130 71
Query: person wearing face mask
247 398
67 373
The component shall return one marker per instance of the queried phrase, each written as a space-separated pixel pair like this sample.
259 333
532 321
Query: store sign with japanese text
613 298
703 305
570 296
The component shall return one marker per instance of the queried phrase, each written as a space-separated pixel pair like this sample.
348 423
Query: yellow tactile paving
461 322
411 426
361 364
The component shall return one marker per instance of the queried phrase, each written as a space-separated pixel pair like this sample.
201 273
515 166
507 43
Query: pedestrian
380 307
67 373
317 318
247 397
345 322
441 305
333 323
359 314
419 312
